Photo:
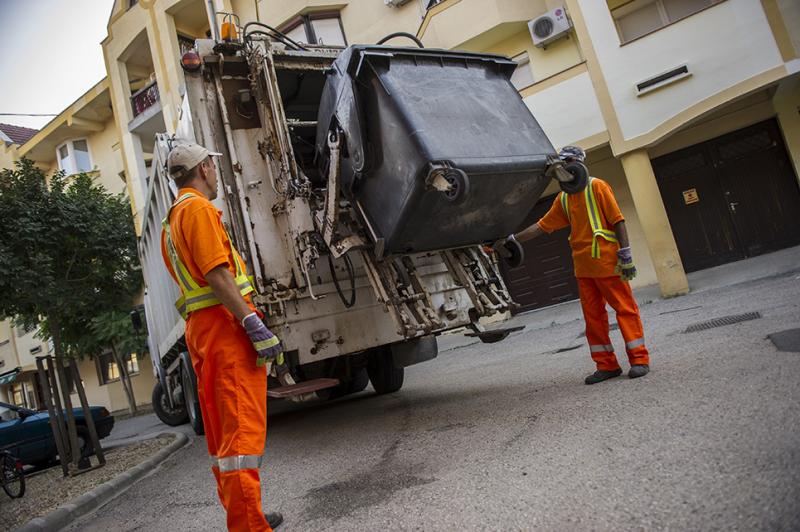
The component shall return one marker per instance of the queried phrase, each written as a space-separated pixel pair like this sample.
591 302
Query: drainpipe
212 18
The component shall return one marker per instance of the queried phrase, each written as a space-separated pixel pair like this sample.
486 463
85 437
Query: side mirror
136 320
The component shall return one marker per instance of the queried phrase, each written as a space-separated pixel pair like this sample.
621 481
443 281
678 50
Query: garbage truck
360 185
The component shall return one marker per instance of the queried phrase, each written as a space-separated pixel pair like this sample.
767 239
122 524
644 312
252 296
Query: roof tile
18 134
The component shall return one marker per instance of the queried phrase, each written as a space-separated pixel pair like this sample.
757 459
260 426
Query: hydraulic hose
351 272
402 34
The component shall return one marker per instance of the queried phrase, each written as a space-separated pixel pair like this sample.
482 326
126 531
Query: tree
113 330
67 255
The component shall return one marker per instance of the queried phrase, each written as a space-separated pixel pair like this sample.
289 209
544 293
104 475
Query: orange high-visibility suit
232 390
598 283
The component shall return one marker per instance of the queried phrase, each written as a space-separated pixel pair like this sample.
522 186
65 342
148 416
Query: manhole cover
719 322
786 340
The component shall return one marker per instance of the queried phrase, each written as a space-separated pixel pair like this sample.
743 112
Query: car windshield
7 414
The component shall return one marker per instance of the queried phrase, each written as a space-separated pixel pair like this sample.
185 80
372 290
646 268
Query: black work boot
274 519
600 376
638 370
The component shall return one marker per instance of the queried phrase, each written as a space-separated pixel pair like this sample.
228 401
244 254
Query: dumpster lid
359 52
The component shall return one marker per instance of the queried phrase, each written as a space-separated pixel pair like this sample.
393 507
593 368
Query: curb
91 500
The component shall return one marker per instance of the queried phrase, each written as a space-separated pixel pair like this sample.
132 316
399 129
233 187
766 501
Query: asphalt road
507 436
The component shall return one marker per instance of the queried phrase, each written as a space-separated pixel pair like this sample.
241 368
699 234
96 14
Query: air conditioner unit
549 27
395 3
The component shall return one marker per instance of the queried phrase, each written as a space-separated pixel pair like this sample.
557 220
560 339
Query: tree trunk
125 378
58 348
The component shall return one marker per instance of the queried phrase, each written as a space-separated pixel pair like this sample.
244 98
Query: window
316 28
22 330
107 368
523 75
17 397
7 414
186 44
636 18
74 158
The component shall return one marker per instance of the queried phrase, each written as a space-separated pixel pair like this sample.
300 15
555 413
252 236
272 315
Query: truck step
495 335
301 388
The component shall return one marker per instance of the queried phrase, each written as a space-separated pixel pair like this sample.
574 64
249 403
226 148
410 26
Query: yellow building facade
82 138
648 87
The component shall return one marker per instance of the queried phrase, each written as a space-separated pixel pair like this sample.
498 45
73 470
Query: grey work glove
625 267
501 249
266 344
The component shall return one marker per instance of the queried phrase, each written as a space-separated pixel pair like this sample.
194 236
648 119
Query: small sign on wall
690 196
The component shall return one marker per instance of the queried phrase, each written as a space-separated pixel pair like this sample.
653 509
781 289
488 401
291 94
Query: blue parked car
27 435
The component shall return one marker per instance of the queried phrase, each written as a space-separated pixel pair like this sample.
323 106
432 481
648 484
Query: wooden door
731 197
547 276
697 211
759 187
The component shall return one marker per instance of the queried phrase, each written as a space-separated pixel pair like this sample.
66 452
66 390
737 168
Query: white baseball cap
185 156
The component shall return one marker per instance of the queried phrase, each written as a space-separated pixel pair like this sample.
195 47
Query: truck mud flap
414 351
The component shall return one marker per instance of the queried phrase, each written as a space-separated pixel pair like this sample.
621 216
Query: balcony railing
144 98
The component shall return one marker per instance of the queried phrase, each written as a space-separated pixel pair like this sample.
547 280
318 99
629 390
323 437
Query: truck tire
191 400
168 415
383 374
354 384
358 382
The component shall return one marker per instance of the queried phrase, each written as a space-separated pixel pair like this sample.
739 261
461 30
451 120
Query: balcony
476 24
281 11
144 98
147 116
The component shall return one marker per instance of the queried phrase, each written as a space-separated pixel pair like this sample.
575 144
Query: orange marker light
190 61
228 31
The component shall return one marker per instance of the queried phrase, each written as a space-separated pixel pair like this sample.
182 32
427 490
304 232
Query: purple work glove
266 344
625 267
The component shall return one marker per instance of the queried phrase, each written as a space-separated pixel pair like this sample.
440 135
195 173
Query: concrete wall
112 395
96 395
106 157
603 165
25 343
8 353
8 154
364 21
749 50
568 111
557 57
790 11
787 108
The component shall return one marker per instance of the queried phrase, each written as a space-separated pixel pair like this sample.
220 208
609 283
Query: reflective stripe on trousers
633 344
236 463
607 348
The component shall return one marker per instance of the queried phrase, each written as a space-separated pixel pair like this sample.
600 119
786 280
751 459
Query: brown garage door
547 276
731 197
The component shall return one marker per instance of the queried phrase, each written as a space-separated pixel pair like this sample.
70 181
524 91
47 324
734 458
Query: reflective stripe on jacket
594 218
193 296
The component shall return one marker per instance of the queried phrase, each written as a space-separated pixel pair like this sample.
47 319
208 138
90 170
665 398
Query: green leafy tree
113 331
67 255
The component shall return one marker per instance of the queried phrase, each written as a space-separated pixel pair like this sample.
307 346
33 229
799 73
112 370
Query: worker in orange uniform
227 339
603 265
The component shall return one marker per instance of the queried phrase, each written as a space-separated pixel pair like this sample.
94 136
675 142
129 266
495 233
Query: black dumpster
413 120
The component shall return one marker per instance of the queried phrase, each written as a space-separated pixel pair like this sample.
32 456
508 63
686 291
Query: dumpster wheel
459 185
581 177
